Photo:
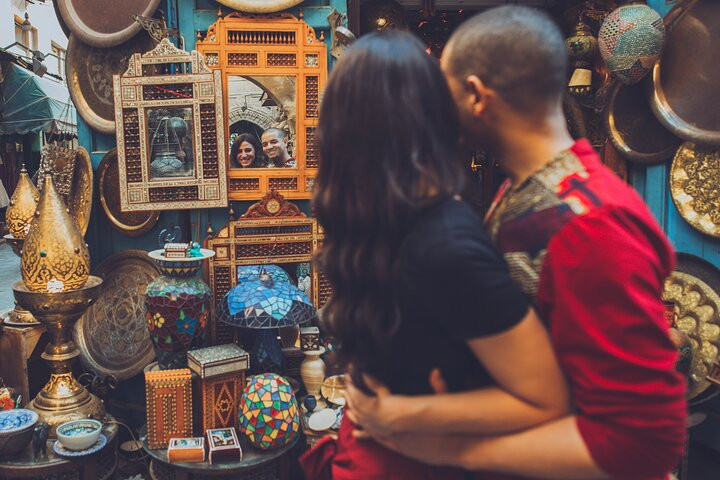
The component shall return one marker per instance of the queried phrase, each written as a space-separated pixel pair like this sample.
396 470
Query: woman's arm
530 390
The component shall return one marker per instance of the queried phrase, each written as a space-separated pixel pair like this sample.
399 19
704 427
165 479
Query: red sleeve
601 290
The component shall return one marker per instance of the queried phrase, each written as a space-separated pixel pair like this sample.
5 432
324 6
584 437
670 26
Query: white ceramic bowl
79 434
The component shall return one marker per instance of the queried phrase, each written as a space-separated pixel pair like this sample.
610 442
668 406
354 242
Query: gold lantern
54 256
23 204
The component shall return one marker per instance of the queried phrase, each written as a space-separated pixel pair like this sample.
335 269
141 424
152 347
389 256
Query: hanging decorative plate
89 72
112 335
132 224
693 287
687 76
82 190
260 6
694 177
94 448
105 23
632 127
61 22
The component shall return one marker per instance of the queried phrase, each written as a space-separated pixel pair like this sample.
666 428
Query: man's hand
373 415
426 448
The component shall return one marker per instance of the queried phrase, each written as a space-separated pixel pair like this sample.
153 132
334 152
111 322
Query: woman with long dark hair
418 288
246 152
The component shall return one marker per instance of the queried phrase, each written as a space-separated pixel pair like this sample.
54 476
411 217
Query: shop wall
189 17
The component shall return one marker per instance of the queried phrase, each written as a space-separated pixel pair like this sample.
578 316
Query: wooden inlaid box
219 384
168 397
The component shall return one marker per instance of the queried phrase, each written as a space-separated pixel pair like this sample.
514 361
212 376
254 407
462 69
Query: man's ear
480 93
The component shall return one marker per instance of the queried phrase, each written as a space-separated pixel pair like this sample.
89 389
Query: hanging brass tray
104 23
82 190
61 21
693 287
694 181
686 78
260 6
132 224
112 334
89 72
633 129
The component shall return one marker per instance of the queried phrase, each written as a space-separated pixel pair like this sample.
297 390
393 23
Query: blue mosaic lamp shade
631 40
253 272
265 303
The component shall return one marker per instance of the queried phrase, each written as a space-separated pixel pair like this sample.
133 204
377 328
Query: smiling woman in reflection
246 152
275 145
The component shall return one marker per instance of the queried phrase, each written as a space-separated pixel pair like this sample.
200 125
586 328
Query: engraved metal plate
694 180
693 287
112 335
82 190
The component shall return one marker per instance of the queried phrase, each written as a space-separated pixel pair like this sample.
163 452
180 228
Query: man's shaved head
517 51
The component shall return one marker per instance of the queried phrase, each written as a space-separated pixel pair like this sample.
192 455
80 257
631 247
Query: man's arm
555 450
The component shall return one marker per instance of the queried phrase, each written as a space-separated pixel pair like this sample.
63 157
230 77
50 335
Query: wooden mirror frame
136 92
272 231
278 45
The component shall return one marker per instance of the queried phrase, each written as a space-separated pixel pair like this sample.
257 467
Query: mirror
170 137
262 117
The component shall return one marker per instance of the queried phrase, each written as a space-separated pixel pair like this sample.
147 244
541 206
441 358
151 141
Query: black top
453 286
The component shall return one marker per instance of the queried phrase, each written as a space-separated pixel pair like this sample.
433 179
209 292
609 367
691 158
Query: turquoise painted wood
189 17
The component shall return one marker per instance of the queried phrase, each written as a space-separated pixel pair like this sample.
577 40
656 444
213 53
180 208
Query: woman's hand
374 415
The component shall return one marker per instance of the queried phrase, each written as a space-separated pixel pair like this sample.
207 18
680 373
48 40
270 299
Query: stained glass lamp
269 412
265 304
252 272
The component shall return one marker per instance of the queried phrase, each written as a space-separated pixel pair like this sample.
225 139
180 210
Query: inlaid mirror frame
278 45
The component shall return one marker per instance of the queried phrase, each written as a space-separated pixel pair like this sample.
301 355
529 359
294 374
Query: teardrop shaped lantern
631 40
54 256
23 205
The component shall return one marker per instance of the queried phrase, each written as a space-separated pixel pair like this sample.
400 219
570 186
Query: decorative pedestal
19 316
63 398
312 371
177 308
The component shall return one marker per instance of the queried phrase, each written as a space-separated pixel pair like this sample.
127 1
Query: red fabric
600 291
350 459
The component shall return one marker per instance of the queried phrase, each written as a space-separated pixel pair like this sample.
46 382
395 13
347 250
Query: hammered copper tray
112 335
693 287
90 71
633 129
687 77
105 23
694 181
82 190
132 224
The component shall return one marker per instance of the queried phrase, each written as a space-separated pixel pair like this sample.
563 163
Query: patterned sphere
269 412
631 39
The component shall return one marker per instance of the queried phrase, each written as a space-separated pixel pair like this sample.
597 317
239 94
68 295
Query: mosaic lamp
252 272
265 304
631 40
269 412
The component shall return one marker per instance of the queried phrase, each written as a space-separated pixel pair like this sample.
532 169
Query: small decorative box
220 383
176 250
168 397
309 338
224 445
186 450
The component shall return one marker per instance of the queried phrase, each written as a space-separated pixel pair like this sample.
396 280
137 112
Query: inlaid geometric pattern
261 38
288 183
240 184
312 98
246 59
281 59
311 155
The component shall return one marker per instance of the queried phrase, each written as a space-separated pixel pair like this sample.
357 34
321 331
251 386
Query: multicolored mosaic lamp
266 305
269 412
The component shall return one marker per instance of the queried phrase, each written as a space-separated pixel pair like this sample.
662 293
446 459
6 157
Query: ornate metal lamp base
63 398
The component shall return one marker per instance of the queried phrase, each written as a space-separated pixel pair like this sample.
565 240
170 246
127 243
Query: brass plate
693 286
333 389
61 21
112 335
260 6
104 23
694 178
89 72
82 190
632 127
132 224
687 76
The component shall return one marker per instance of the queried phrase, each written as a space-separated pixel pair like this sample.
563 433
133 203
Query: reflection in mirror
262 116
170 136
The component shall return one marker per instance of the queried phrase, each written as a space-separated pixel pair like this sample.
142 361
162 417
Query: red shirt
584 244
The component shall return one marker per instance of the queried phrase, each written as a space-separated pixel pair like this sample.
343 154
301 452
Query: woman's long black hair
388 139
258 161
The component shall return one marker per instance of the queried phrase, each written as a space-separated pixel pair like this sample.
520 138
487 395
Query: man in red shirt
584 246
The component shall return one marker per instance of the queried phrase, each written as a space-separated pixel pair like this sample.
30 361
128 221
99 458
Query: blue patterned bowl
79 434
16 430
